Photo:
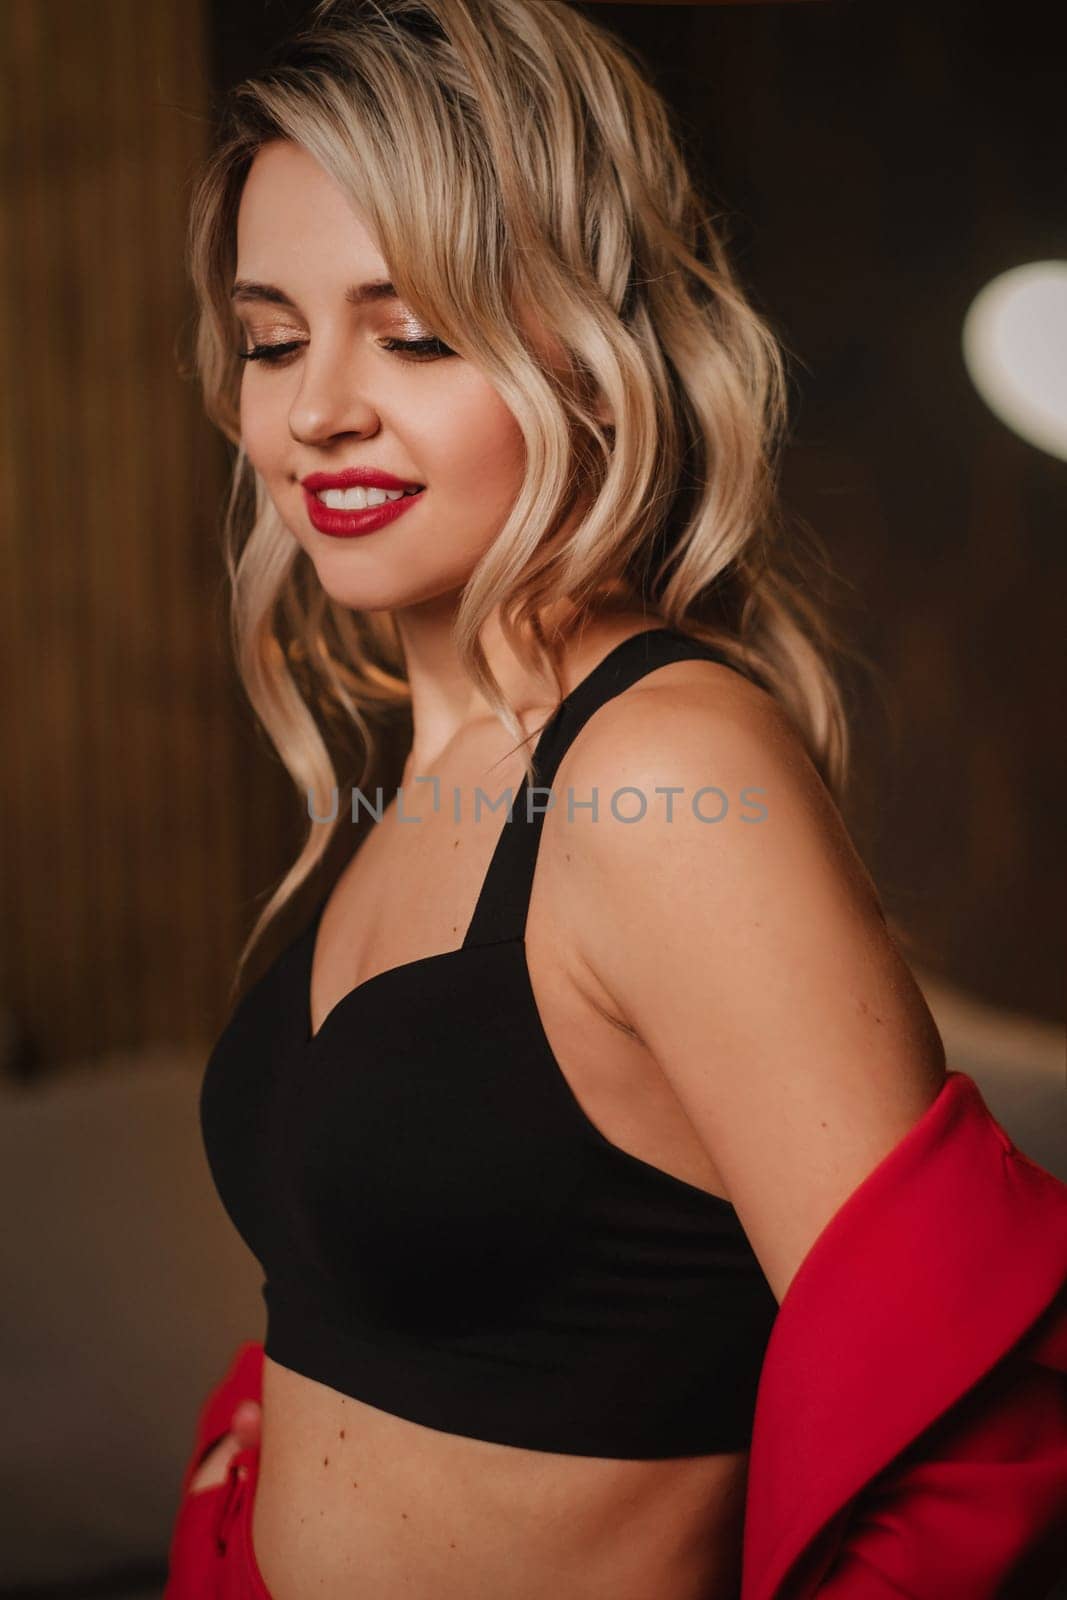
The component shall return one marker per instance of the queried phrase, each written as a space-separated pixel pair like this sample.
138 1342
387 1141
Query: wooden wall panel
131 846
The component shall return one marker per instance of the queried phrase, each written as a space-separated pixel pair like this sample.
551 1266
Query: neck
445 703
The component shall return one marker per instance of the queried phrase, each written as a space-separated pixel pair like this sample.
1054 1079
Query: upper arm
751 957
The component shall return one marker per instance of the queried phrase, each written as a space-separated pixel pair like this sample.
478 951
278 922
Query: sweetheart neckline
310 1038
540 1037
312 1041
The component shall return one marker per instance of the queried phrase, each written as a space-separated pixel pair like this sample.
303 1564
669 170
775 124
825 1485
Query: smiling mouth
361 499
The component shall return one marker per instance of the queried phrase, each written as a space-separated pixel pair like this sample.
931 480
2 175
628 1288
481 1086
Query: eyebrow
361 294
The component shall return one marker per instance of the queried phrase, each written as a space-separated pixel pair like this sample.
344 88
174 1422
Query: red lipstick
350 524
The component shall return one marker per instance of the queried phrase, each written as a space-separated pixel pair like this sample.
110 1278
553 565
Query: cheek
260 434
488 451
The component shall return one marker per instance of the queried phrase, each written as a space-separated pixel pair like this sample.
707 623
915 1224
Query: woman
551 1117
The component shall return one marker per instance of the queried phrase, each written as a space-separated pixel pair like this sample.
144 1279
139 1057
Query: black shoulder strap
500 913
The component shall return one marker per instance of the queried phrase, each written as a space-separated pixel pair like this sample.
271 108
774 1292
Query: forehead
291 211
296 226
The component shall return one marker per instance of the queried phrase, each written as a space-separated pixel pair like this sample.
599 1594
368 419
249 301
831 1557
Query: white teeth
356 499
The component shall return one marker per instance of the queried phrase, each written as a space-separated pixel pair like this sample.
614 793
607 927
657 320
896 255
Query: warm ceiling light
1015 349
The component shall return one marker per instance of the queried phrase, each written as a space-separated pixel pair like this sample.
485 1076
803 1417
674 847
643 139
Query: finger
247 1423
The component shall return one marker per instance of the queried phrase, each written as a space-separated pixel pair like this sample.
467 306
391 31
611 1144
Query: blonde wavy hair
507 154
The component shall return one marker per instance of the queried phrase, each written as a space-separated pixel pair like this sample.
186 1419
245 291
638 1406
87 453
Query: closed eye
270 353
421 349
408 349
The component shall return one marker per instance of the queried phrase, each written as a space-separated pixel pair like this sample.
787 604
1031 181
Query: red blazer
910 1434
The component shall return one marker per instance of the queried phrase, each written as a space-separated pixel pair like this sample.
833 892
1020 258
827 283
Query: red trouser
211 1555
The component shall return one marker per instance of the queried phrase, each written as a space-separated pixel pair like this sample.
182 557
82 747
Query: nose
330 400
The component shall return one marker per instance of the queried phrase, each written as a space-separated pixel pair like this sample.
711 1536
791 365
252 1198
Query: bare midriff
352 1502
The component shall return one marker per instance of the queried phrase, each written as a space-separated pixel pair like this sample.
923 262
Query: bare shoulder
727 913
698 752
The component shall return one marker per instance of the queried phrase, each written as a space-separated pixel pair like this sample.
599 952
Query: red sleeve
977 1508
910 1436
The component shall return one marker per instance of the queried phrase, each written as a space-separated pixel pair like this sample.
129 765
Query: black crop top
444 1233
